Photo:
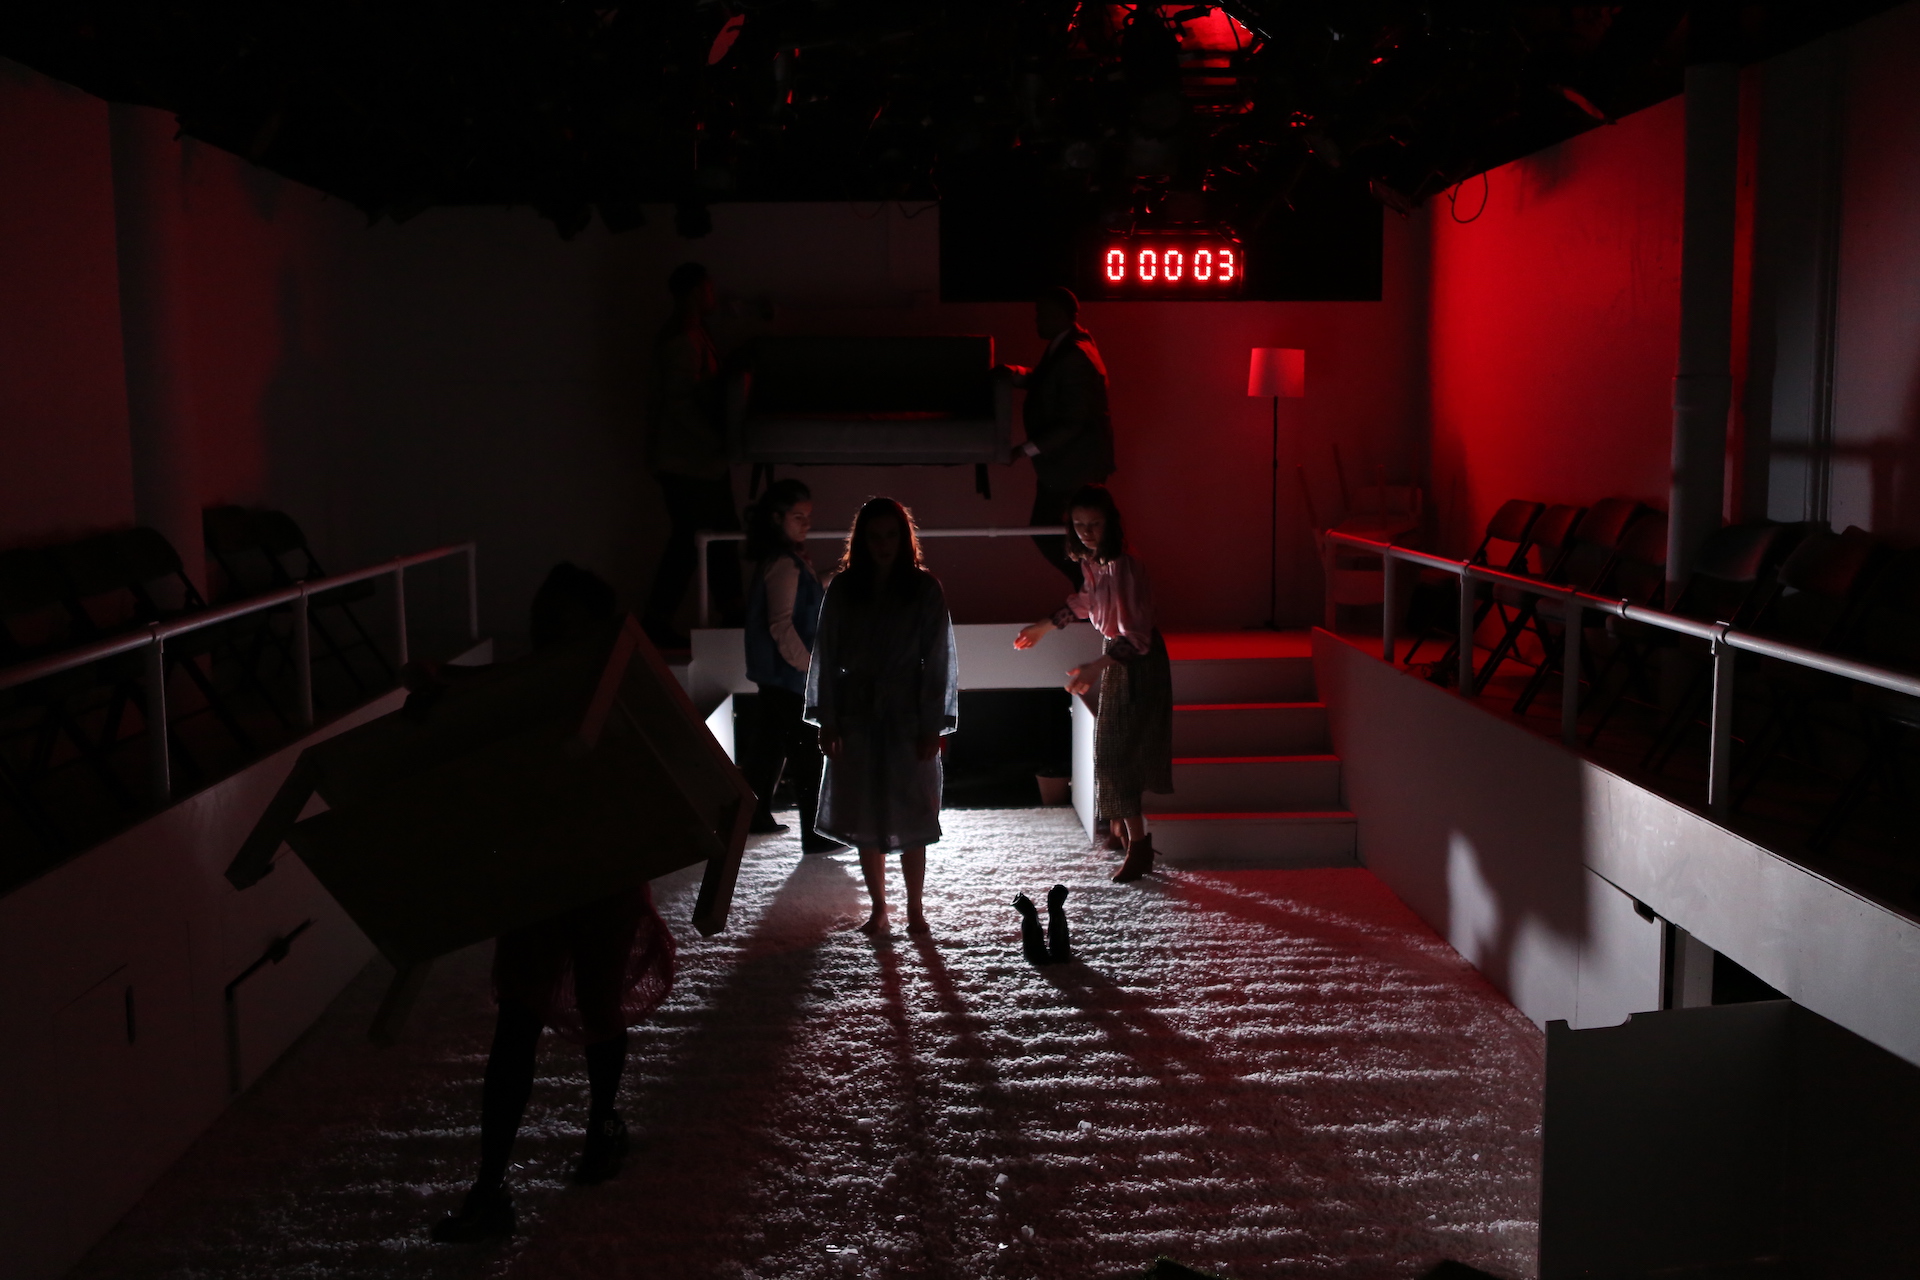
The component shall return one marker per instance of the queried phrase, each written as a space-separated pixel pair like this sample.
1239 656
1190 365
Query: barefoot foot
917 923
876 923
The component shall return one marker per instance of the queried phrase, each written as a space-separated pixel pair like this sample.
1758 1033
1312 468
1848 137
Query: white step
1242 680
1231 784
1297 839
1250 729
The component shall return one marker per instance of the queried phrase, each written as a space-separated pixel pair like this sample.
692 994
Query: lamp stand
1273 528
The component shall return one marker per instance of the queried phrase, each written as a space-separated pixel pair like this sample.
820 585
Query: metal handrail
153 636
704 540
1721 636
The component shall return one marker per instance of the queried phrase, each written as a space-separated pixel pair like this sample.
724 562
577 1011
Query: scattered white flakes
1292 1077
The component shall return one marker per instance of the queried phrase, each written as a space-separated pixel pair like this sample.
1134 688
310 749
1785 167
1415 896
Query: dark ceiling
575 105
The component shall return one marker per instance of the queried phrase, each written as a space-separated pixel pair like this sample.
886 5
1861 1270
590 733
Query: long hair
1113 541
856 565
765 538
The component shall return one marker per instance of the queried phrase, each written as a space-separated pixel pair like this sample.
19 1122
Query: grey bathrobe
883 674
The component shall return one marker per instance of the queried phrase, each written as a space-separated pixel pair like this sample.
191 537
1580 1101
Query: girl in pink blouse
1129 687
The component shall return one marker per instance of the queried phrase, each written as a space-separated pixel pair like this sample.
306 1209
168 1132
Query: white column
150 220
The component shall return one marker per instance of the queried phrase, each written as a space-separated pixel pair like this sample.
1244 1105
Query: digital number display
1167 265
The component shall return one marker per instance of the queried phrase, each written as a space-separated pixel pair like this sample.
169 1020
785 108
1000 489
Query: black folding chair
1635 573
103 603
1886 720
36 621
1731 576
1435 589
282 541
1581 562
1816 604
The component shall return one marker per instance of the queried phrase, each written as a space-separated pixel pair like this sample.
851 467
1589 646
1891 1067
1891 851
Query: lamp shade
1278 371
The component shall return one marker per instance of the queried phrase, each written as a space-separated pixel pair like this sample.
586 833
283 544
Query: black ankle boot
1059 948
1032 941
605 1152
487 1214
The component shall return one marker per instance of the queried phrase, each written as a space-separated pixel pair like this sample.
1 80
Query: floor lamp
1277 373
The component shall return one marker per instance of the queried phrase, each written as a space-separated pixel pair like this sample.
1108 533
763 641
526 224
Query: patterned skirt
1133 733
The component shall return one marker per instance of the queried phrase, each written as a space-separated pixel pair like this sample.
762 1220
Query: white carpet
1261 1073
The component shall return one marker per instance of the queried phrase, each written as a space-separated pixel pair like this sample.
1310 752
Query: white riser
1243 680
1256 840
1270 729
1251 786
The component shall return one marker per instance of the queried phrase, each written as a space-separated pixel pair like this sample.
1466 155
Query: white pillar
150 221
1702 384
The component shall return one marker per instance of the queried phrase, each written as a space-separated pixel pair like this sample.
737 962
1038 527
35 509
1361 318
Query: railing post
400 615
1720 743
302 662
1570 675
1466 633
1388 592
159 767
473 592
700 578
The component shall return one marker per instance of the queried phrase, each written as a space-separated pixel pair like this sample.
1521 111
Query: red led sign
1168 265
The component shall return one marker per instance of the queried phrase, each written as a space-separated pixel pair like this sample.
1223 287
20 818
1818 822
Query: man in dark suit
1069 436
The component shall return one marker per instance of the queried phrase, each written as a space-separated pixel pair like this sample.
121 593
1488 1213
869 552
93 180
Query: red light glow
1149 263
1203 265
1175 263
1116 264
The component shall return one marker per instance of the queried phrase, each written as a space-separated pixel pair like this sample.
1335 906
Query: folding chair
1435 588
103 602
36 621
1636 573
1581 563
280 539
1887 720
1816 604
1732 578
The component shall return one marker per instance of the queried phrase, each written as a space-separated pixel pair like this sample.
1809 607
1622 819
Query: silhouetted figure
687 454
1069 434
589 973
783 615
884 688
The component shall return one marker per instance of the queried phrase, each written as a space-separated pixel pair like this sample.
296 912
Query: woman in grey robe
884 688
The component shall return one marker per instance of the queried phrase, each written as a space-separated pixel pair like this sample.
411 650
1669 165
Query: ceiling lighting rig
1108 113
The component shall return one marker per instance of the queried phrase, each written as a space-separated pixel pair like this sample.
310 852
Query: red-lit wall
470 375
1554 325
64 462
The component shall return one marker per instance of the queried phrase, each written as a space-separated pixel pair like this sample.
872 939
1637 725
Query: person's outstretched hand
1081 679
1030 636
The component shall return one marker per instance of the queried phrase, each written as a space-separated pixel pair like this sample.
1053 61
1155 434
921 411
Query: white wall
94 1103
1528 860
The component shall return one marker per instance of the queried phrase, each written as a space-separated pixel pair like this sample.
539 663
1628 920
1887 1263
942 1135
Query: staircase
1255 781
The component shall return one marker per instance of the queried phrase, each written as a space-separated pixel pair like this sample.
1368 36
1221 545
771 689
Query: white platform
988 659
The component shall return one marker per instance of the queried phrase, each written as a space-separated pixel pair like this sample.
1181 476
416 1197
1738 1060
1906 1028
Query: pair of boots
1053 946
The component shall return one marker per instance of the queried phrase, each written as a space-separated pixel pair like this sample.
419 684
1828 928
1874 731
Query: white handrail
704 540
153 636
1721 636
